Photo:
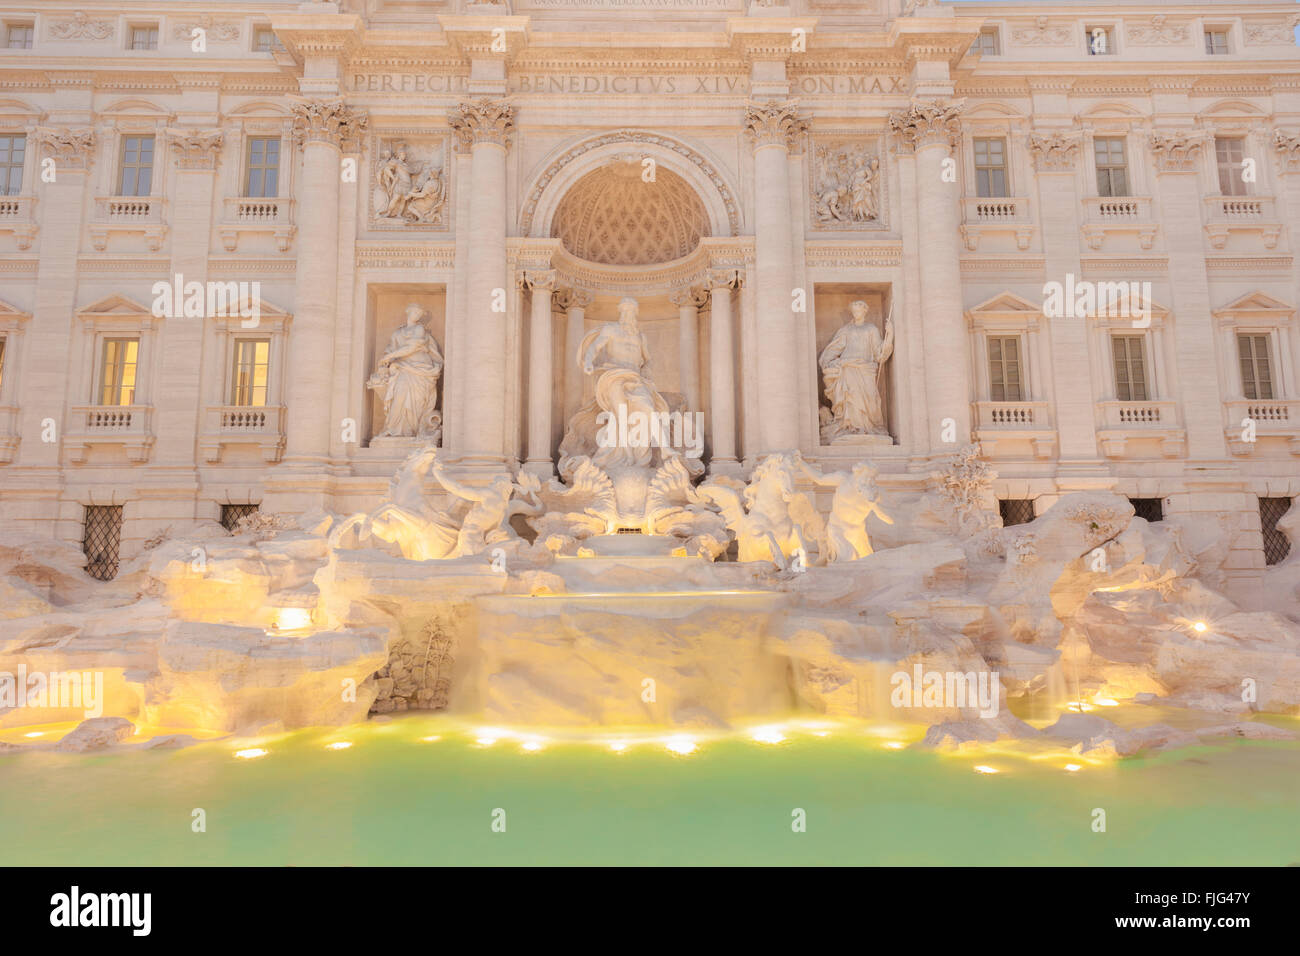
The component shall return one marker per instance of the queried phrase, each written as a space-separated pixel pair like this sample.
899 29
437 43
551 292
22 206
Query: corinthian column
930 130
722 374
574 302
773 128
320 127
486 126
688 302
540 282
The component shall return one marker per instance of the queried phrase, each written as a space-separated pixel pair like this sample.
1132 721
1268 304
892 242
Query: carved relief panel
846 183
409 181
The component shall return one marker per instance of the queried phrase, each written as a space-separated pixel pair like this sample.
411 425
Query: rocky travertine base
277 627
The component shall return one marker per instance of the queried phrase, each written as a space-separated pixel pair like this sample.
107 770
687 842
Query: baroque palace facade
255 253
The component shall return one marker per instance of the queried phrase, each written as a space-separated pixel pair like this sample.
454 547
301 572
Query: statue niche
406 377
853 368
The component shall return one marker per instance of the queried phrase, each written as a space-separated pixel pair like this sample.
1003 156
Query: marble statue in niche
853 367
408 191
407 378
847 186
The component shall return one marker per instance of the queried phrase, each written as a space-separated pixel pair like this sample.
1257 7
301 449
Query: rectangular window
252 360
1130 369
1112 166
144 37
265 40
986 44
1149 509
117 371
1276 545
13 153
137 166
262 176
1216 42
231 515
1004 368
1230 152
20 36
101 540
1100 41
1016 511
990 167
1256 377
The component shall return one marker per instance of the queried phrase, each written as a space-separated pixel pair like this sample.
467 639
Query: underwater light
251 753
430 739
1105 702
339 745
532 746
35 733
618 746
984 768
894 745
1073 767
680 745
768 735
291 619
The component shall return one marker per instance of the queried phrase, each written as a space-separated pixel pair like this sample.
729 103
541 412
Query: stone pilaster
1055 156
1177 158
929 131
486 126
49 334
773 129
574 302
1287 145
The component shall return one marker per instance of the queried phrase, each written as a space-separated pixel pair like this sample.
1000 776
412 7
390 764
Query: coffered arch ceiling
613 216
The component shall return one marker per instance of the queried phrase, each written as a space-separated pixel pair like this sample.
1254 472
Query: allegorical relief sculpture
408 191
846 186
407 377
853 367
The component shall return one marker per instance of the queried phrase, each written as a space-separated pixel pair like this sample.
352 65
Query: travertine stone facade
745 170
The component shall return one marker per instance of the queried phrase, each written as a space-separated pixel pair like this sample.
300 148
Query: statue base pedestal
632 545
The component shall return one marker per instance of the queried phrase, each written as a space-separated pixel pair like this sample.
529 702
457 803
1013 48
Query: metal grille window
1016 511
1230 152
1150 509
1004 368
136 178
13 152
102 540
1276 545
252 358
1216 42
1256 376
1112 166
1130 370
262 176
144 37
231 515
20 36
990 167
986 44
117 371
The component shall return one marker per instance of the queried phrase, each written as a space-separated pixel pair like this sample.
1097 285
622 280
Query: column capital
1054 151
573 297
928 122
774 123
69 148
196 148
1176 151
725 277
1288 149
541 280
326 121
484 121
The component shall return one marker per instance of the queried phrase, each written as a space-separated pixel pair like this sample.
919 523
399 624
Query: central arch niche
614 217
